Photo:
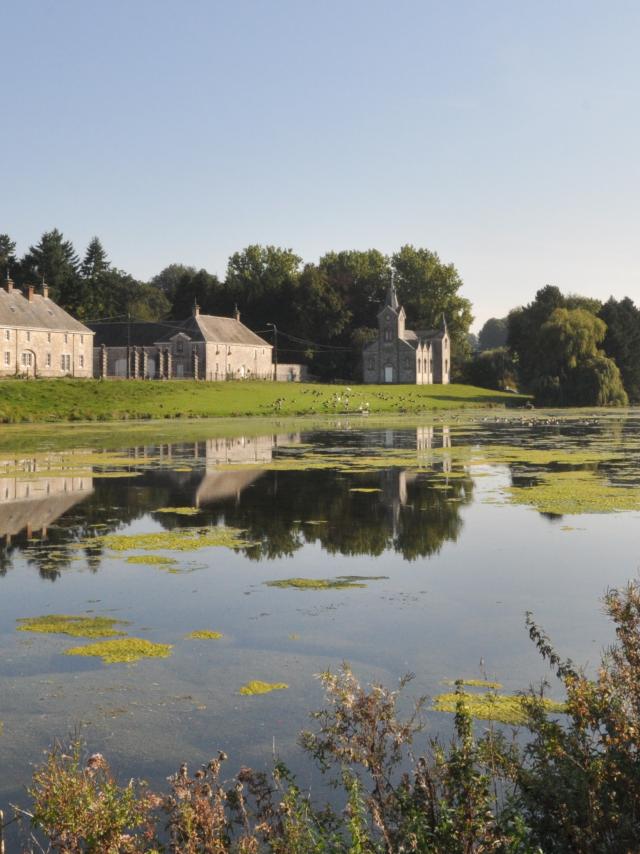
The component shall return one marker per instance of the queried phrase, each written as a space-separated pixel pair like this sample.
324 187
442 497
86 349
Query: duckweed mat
125 650
501 708
204 635
256 686
67 624
180 540
341 582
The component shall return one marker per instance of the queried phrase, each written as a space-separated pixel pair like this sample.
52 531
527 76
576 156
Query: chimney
30 291
45 289
236 312
8 283
196 309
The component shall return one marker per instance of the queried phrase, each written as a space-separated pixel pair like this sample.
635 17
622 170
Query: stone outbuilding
40 339
400 355
203 347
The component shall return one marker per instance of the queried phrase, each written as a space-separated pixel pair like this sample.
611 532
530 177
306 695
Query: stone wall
40 353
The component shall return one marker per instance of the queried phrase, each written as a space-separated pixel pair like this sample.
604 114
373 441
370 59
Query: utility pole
275 350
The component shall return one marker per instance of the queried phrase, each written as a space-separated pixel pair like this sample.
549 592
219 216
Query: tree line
566 349
325 312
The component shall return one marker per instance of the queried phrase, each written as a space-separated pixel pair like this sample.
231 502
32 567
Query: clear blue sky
503 135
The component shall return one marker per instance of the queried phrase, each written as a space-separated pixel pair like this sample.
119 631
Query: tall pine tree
54 259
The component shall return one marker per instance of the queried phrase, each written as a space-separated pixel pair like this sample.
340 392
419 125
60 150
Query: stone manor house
203 346
399 355
38 338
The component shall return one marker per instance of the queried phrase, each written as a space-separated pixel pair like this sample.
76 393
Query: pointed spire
196 308
392 296
444 323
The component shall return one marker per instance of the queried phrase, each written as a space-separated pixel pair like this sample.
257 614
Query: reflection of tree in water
411 513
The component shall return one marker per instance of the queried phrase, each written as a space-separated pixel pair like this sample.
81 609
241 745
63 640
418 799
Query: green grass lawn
106 400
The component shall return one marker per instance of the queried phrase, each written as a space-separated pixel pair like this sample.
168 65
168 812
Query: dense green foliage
571 785
493 334
565 353
492 369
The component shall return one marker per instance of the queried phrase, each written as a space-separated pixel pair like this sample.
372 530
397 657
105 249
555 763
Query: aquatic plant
181 539
256 686
81 626
364 489
124 650
490 706
341 582
204 635
565 493
179 511
153 560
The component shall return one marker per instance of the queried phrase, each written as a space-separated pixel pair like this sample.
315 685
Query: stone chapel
400 355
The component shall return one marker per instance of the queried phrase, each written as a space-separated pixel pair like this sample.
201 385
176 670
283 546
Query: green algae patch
180 540
179 511
566 493
76 626
342 582
256 686
204 635
365 489
502 708
124 650
152 560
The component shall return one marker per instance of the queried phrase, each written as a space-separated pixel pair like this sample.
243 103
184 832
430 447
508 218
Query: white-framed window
47 360
66 338
48 338
81 361
65 362
27 360
7 357
7 335
82 339
28 335
228 351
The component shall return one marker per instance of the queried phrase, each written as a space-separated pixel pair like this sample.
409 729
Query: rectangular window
372 364
48 360
81 361
66 338
27 360
65 362
387 335
82 339
179 346
28 335
48 338
7 334
7 358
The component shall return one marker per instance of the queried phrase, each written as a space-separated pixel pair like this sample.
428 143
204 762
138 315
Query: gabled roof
201 327
37 313
227 330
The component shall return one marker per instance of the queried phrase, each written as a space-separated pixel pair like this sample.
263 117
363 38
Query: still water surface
416 503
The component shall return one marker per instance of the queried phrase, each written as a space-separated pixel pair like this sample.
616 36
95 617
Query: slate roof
40 312
203 327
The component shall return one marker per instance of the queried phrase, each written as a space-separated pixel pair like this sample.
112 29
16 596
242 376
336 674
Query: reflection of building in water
216 484
32 504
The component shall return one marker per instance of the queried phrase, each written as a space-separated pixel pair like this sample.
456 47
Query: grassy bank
98 400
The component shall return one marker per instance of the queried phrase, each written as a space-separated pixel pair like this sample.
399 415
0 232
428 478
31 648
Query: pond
269 552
